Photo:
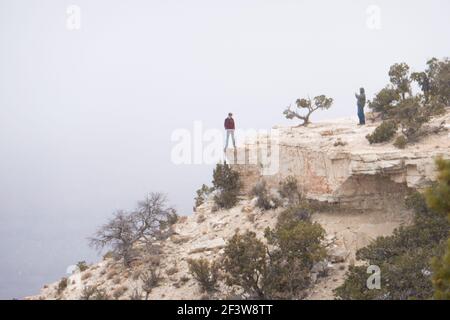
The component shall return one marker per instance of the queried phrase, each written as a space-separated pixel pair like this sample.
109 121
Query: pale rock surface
357 175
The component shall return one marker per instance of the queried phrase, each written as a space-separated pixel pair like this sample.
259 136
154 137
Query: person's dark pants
362 118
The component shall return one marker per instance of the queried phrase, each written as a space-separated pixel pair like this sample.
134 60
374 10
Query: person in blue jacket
361 102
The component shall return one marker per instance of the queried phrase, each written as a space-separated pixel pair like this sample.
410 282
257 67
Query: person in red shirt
229 127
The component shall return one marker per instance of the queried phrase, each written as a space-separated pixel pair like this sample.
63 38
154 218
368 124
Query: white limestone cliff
333 161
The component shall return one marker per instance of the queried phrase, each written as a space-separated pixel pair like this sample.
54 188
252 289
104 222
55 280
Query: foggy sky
86 115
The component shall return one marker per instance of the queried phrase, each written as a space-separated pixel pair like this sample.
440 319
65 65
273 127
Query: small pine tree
245 262
400 79
227 183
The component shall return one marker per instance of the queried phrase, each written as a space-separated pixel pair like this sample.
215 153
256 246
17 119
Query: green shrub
227 184
438 198
435 81
202 195
245 262
289 190
404 258
263 199
82 266
296 246
205 273
411 116
281 269
93 293
384 132
292 215
171 218
62 285
400 142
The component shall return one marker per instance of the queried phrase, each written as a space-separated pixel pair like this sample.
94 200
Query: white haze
86 116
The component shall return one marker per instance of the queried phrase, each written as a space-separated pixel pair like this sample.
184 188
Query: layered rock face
334 162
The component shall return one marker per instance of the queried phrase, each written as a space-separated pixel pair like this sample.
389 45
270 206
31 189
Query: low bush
404 258
411 116
93 293
82 266
400 142
384 132
202 195
292 215
205 273
280 269
227 184
438 199
119 292
263 198
62 285
288 189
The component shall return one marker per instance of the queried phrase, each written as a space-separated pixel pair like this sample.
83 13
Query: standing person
229 127
361 102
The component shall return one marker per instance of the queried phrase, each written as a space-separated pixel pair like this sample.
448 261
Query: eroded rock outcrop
334 162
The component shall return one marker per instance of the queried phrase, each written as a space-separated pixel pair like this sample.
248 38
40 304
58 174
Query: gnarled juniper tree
319 102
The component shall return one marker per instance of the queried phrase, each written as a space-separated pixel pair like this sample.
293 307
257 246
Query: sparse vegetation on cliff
403 258
280 269
409 111
438 199
286 252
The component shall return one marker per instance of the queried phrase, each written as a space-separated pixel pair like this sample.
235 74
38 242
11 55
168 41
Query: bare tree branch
149 222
